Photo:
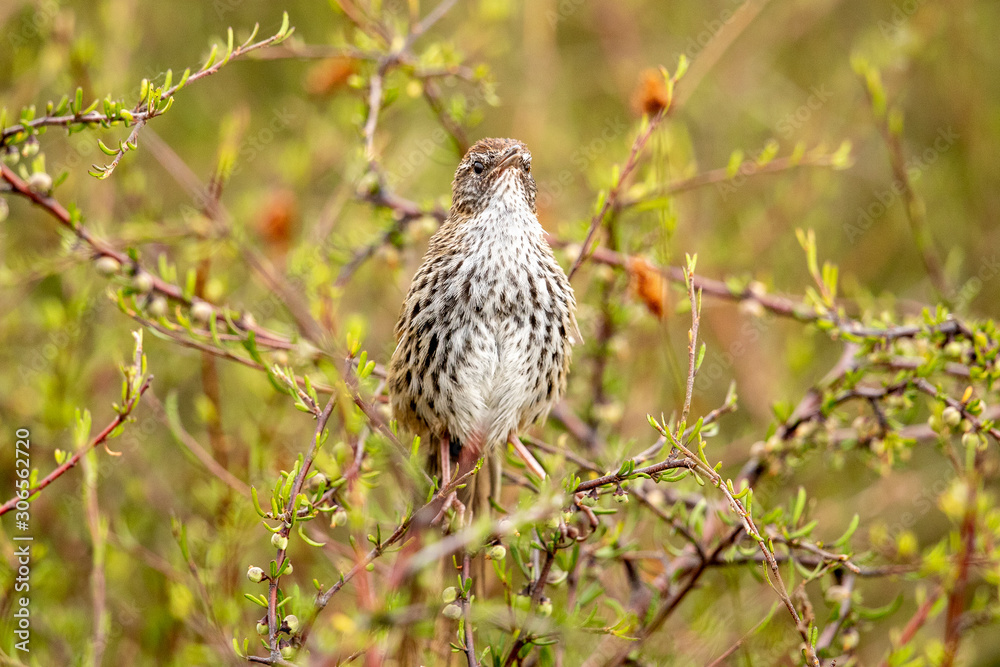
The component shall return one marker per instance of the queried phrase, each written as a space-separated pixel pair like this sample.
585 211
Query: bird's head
491 169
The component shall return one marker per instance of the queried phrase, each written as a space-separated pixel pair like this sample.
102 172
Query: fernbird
485 333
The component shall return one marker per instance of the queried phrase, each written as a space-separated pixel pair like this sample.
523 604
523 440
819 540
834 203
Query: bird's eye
478 167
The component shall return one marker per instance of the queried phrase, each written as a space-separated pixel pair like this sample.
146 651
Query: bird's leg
523 453
444 452
451 500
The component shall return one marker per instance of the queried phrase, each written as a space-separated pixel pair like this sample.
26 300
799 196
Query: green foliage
819 483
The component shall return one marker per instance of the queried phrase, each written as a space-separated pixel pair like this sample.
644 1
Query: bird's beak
513 158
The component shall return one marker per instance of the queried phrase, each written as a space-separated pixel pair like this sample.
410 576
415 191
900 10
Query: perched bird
484 334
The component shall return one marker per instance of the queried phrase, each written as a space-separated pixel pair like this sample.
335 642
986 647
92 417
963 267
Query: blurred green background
566 76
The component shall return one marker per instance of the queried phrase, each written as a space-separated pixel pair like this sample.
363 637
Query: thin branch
470 643
916 213
433 17
406 212
141 112
97 528
611 200
652 470
288 520
671 604
102 249
953 625
120 418
781 305
323 597
124 147
374 107
721 660
724 175
199 452
929 389
695 299
916 622
536 590
736 504
846 606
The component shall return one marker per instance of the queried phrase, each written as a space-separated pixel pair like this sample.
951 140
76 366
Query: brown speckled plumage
484 334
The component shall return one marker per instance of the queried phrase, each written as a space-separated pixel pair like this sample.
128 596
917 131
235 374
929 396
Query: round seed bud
143 282
107 266
292 622
317 482
954 349
202 311
971 440
158 307
40 182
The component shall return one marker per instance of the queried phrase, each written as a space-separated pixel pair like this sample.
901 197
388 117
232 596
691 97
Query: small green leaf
308 541
682 67
255 599
882 612
211 58
853 526
107 150
229 46
800 505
